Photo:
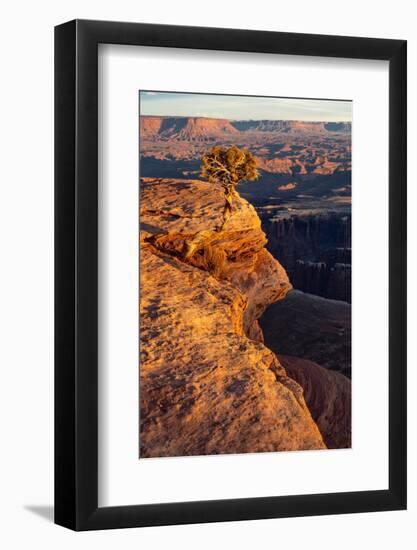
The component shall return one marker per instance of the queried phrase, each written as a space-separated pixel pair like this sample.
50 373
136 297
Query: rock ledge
207 387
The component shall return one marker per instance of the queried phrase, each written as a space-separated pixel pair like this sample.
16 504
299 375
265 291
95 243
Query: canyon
288 148
200 128
303 194
315 250
245 326
210 382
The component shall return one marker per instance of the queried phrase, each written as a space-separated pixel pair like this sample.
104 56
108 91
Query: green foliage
229 166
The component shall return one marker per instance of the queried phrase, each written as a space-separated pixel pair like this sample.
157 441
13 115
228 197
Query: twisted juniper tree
229 166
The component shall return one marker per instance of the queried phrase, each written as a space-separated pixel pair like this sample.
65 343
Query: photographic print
245 274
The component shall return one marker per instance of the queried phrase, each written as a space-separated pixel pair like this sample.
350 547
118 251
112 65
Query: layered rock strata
328 397
315 250
207 383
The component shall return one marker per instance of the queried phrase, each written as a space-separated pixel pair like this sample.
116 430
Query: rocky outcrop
294 166
276 165
326 167
328 396
186 220
207 383
287 186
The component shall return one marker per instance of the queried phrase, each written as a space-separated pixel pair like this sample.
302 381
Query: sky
243 107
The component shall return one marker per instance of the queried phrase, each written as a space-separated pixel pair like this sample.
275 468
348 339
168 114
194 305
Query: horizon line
248 119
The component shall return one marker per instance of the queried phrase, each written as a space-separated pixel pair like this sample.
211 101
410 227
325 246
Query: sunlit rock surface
207 383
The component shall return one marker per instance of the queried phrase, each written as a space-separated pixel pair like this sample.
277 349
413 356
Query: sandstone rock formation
287 186
326 167
314 249
170 126
207 383
276 165
328 397
316 154
185 128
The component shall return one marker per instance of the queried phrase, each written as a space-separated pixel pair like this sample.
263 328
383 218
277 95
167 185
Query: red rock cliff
206 387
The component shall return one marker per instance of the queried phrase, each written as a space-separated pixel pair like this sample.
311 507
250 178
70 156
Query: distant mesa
345 127
204 128
276 165
185 128
290 125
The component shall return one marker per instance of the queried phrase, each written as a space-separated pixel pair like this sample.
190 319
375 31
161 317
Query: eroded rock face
328 397
205 386
186 219
185 128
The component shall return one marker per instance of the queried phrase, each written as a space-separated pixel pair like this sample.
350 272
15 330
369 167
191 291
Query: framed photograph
230 249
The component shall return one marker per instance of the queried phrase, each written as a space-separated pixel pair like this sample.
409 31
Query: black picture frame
76 272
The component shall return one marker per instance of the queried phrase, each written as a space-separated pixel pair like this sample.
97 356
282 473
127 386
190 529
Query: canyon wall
184 128
315 250
208 385
199 128
310 152
328 396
